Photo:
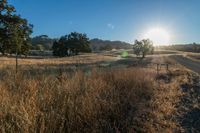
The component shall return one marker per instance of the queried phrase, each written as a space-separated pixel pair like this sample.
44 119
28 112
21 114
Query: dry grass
194 56
101 102
83 59
120 100
165 52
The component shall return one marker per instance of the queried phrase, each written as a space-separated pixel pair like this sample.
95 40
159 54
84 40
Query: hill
194 47
98 45
42 42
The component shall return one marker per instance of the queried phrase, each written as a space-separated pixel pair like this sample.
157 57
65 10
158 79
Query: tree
60 49
143 47
55 48
71 44
39 47
78 42
14 31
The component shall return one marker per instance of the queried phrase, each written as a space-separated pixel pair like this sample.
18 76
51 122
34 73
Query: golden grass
194 56
120 100
104 102
83 58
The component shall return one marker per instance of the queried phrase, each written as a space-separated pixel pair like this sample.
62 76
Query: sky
124 20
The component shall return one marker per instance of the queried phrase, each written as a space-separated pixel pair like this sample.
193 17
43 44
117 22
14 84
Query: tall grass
109 101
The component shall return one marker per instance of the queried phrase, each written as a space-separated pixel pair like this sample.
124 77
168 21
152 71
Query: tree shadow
191 121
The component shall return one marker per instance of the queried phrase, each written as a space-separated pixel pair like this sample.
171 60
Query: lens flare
159 36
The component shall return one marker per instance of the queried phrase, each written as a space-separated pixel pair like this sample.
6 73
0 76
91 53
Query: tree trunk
143 55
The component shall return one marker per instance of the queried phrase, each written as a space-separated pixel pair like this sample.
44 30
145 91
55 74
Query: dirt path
188 63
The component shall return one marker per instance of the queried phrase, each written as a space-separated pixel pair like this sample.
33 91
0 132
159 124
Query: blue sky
124 20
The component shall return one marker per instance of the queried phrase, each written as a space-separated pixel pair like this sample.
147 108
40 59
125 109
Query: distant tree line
42 42
71 44
14 31
193 47
106 45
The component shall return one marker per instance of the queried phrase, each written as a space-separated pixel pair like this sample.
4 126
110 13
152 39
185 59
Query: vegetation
101 45
194 56
71 44
39 47
194 47
14 31
101 102
143 47
106 48
96 92
43 41
95 44
45 98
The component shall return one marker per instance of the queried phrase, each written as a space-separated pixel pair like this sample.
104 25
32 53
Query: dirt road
188 63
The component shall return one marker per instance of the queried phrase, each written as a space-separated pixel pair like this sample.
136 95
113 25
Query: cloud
111 26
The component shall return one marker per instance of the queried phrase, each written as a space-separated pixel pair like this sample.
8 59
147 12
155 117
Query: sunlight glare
159 36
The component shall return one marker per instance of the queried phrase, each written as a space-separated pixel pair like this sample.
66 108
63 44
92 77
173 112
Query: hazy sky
124 20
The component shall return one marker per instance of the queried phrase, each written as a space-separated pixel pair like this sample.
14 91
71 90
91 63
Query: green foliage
39 47
106 47
143 47
71 44
43 40
60 49
14 31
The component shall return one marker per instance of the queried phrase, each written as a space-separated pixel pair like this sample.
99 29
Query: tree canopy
143 47
14 30
43 40
71 44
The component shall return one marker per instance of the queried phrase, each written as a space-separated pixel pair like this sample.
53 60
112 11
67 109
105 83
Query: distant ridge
193 47
98 45
45 41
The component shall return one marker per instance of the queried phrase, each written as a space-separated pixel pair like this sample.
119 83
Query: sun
159 36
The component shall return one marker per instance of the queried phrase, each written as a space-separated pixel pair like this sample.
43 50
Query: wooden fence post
167 67
157 68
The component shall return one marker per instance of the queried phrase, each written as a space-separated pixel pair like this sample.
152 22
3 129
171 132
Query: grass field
194 56
81 94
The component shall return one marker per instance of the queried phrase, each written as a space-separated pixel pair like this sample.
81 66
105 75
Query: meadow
82 94
104 66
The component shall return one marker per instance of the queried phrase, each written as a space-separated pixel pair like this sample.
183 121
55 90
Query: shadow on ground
191 121
190 106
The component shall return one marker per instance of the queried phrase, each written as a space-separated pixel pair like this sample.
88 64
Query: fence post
167 67
157 68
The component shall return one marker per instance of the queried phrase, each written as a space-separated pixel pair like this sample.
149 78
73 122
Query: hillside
98 45
194 47
42 42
